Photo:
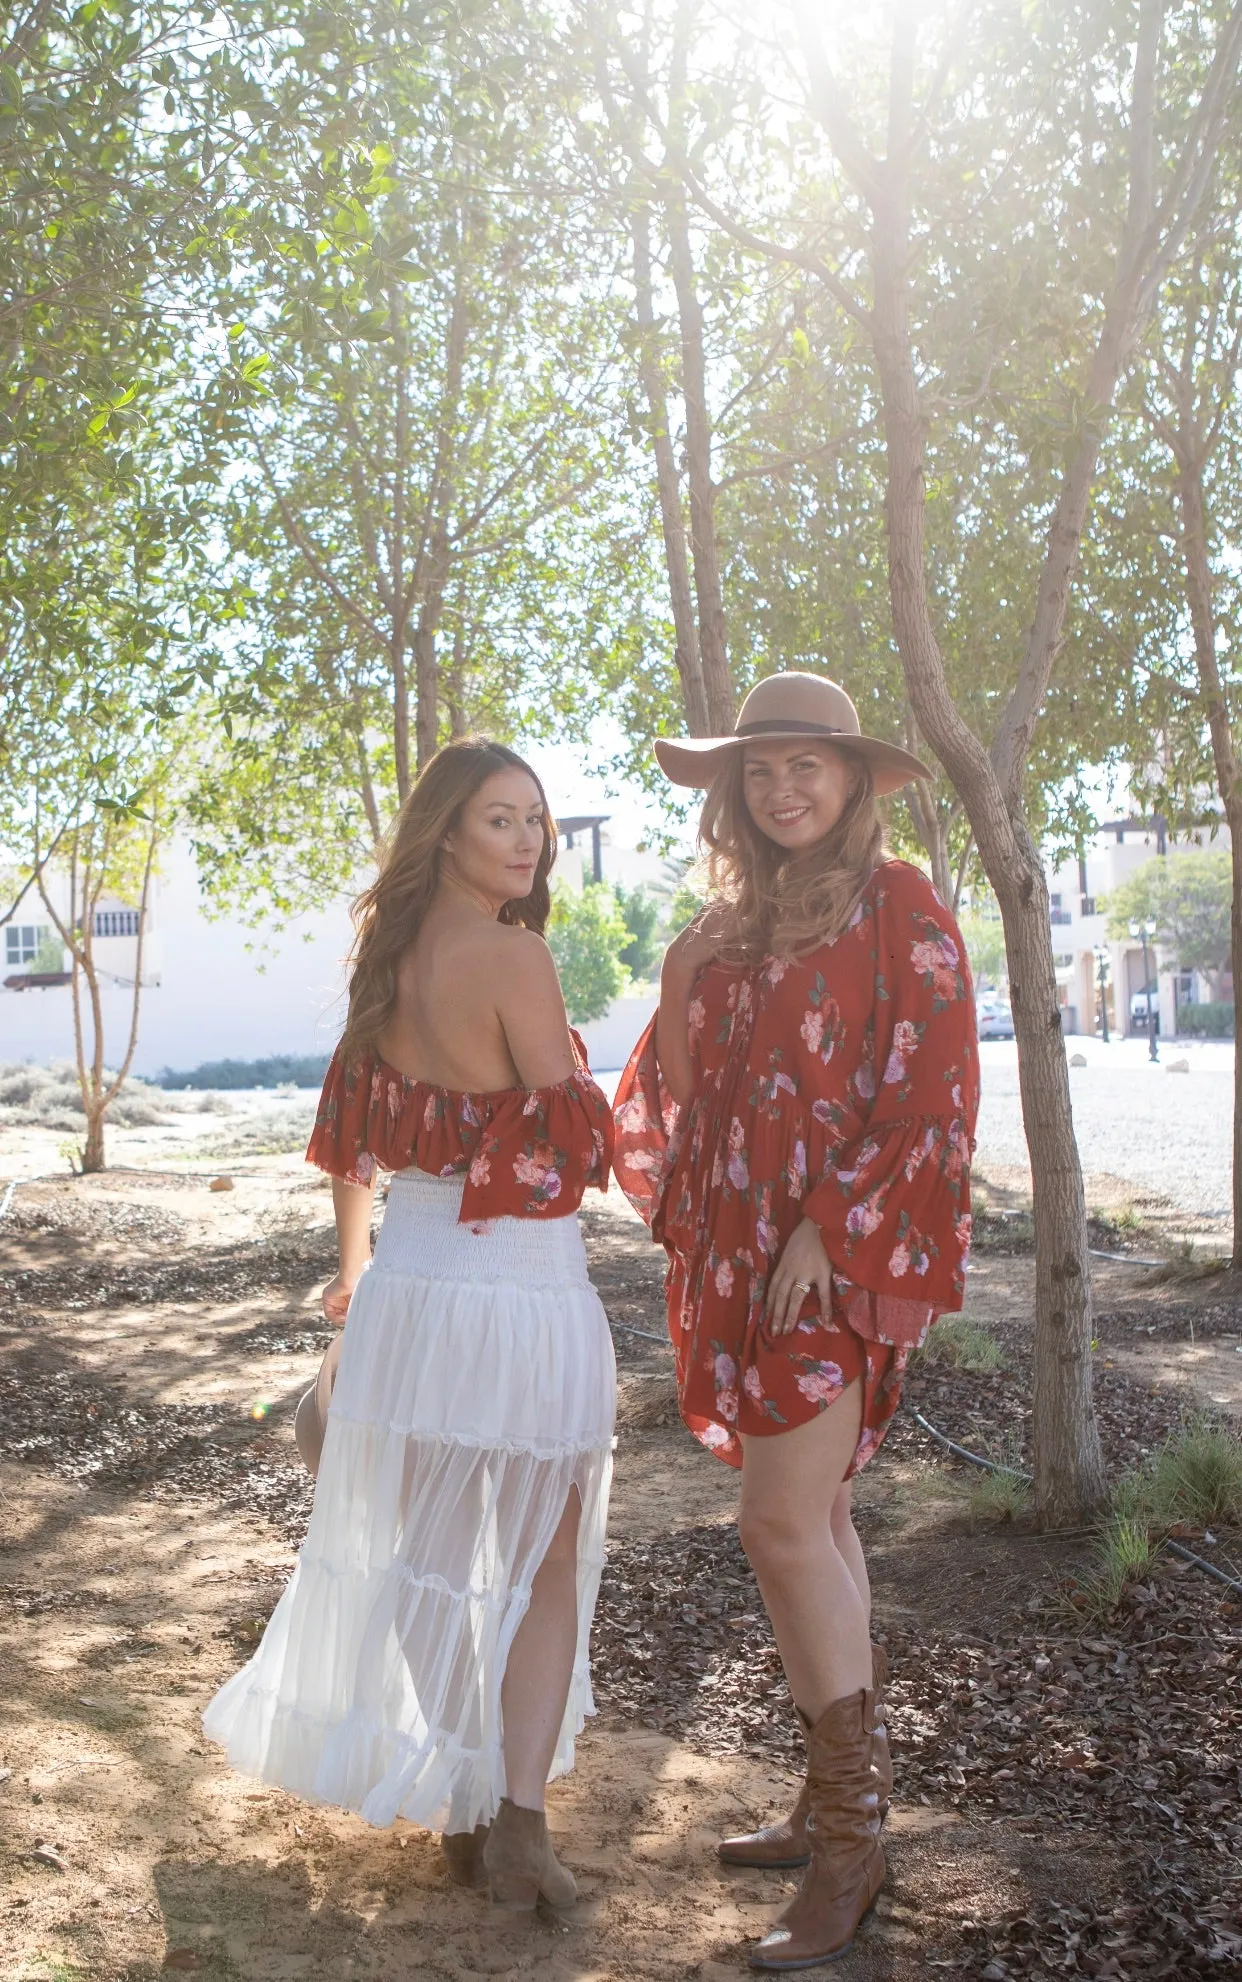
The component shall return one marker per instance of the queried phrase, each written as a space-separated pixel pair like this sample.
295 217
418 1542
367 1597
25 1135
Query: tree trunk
1069 1463
92 1153
1224 752
712 649
668 485
1070 1479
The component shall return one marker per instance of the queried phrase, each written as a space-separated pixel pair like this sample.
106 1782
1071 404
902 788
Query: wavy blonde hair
388 915
785 903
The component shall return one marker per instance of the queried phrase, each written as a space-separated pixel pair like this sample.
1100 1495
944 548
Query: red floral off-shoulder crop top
526 1152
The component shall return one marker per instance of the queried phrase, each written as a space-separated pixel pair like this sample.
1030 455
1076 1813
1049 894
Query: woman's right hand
698 942
337 1295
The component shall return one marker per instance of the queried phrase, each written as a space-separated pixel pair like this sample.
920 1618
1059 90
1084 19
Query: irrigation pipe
1125 1259
646 1334
991 1466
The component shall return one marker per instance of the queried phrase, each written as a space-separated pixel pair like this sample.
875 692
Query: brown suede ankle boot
846 1870
520 1863
783 1846
462 1852
777 1846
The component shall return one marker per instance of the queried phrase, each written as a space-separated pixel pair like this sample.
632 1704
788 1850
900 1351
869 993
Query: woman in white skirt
429 1656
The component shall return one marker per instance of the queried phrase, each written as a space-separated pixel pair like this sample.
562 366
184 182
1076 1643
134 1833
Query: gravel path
1165 1133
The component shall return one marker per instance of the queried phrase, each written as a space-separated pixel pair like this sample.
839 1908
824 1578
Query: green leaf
254 368
10 86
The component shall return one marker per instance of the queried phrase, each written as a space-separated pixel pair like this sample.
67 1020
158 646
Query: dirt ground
156 1335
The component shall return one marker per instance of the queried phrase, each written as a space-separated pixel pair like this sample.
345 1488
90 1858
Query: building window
22 943
115 922
1055 900
1088 905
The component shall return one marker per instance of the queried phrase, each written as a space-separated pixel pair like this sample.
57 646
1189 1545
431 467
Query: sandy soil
129 1848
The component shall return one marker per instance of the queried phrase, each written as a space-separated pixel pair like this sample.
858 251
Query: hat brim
695 760
310 1421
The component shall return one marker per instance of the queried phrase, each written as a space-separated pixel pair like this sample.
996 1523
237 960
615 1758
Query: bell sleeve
645 1115
339 1141
893 1198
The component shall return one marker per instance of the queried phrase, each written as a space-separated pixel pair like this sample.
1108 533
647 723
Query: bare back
478 1007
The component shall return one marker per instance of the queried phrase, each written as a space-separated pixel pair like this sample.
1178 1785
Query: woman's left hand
802 1265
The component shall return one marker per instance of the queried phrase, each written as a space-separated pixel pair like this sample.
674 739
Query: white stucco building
1080 929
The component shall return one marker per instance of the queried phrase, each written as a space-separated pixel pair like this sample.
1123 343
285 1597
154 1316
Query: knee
772 1536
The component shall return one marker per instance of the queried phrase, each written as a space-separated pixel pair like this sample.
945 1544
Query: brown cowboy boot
846 1870
776 1846
783 1846
881 1758
520 1863
462 1852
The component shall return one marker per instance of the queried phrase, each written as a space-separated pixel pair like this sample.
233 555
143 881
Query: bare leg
818 1613
540 1666
845 1535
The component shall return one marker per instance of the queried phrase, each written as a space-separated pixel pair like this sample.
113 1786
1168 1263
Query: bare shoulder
518 950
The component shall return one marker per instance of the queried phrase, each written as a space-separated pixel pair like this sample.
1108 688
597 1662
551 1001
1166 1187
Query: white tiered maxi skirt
476 1389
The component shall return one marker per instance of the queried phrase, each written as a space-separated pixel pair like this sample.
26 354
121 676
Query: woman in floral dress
796 1125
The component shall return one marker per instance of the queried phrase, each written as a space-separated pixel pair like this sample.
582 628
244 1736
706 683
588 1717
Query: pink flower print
961 1231
774 969
864 1081
725 1370
364 1166
527 1170
632 1117
469 1113
928 958
552 1183
822 1383
697 1016
724 1279
795 1170
767 1236
480 1170
738 1171
822 1112
531 1104
726 1404
905 1041
718 1171
919 1154
899 1262
862 1219
429 1113
744 996
713 1437
752 1384
867 1444
813 1030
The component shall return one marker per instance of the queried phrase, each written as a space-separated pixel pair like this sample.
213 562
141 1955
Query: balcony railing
1060 918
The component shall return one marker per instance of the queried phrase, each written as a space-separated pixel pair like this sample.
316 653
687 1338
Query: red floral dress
841 1086
526 1152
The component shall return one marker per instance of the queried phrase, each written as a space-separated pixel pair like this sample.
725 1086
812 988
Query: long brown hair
387 915
783 903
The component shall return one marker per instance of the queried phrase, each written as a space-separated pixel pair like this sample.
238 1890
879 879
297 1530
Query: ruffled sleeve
893 1197
340 1139
540 1150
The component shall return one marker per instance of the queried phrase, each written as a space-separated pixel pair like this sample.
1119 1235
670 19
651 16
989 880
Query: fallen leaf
44 1854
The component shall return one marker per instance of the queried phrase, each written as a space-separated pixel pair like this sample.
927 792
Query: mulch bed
1037 1721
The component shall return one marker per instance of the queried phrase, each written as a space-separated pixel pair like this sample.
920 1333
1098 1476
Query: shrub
586 935
963 1345
278 1070
1205 1021
49 1098
640 912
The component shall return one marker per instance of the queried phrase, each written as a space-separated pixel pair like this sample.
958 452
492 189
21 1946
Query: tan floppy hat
790 705
310 1420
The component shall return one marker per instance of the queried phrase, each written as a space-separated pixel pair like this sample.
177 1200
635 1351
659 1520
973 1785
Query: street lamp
1101 975
1145 931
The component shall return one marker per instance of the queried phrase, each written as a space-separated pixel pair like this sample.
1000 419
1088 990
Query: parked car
1138 1009
995 1017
